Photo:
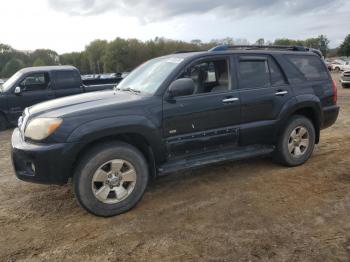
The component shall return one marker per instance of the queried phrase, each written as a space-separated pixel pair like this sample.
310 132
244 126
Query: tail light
335 92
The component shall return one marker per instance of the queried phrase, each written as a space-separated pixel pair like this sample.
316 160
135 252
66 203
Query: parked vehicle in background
328 64
33 85
125 74
177 112
341 65
1 81
101 79
345 79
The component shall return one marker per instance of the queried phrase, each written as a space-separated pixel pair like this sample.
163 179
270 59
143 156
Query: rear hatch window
311 67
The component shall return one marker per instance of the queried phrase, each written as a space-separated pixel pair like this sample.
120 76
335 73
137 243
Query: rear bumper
330 115
44 164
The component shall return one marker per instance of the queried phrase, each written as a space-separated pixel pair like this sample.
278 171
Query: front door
34 89
207 119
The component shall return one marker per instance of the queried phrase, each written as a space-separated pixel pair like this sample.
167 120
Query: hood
82 104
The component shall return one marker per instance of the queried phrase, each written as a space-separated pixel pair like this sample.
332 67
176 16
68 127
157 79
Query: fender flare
298 103
113 126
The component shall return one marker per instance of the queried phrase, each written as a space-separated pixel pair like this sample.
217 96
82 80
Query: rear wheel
3 123
297 142
111 179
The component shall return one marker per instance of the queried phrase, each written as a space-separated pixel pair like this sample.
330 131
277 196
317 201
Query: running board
204 159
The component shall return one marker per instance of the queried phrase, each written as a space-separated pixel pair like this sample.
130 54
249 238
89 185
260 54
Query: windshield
9 83
149 76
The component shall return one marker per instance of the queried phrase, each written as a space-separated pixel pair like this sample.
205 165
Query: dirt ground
251 210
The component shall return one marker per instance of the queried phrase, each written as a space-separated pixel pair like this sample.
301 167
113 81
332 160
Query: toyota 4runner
176 112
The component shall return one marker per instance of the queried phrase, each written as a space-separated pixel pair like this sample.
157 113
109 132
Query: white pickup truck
341 65
345 79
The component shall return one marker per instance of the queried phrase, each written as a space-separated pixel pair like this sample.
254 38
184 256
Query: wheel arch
2 114
307 106
137 140
136 130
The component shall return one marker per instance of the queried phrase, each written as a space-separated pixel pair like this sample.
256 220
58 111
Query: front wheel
296 143
110 179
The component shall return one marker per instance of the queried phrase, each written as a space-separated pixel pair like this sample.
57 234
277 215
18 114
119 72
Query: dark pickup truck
177 112
33 85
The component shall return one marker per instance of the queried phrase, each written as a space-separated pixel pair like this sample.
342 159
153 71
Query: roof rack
265 47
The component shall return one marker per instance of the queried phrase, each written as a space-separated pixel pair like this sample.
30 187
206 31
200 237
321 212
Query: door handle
281 93
230 100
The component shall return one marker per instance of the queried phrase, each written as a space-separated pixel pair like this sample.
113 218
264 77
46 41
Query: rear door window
67 79
311 67
254 73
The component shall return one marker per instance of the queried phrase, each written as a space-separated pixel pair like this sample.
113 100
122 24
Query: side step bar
204 159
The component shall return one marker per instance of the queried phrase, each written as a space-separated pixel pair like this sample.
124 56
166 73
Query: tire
113 196
337 69
3 123
292 137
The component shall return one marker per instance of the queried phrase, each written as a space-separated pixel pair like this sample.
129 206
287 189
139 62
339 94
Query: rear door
35 88
263 91
206 119
66 83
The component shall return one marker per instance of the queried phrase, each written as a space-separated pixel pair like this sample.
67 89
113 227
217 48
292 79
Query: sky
69 25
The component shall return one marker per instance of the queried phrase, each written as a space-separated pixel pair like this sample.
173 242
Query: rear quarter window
67 79
311 67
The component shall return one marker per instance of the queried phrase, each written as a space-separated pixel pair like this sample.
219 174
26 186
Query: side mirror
18 90
181 87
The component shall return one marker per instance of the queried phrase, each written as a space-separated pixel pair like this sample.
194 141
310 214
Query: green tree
344 49
12 67
45 56
38 62
95 52
321 42
324 45
290 42
260 41
77 59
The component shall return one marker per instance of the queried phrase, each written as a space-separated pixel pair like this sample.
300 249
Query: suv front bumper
41 163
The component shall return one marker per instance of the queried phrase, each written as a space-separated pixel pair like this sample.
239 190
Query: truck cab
34 85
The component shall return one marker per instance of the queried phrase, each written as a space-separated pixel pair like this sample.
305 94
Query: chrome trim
230 100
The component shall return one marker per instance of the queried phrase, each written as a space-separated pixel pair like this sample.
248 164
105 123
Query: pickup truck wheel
3 123
110 179
297 142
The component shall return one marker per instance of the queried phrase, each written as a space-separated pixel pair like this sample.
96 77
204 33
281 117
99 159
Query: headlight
41 128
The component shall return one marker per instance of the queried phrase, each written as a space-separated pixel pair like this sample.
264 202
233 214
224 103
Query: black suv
177 112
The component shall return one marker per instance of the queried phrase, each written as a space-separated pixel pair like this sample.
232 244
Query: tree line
120 55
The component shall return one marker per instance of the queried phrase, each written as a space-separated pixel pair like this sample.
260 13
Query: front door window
34 82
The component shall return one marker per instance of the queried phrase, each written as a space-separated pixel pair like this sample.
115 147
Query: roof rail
187 51
265 47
